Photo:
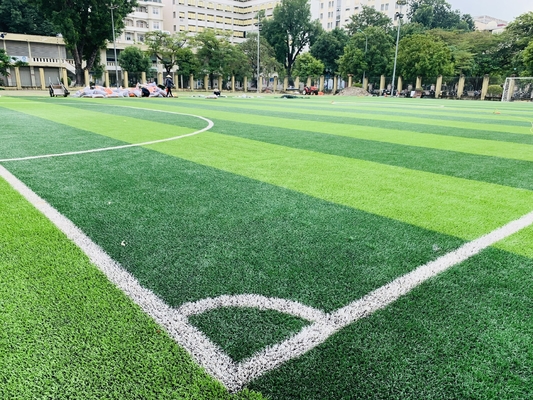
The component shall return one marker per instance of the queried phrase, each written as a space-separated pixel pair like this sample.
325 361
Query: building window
140 38
142 24
142 9
129 36
174 28
173 14
155 11
155 25
321 15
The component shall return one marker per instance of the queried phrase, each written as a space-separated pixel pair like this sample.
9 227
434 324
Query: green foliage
290 30
235 61
22 16
329 46
267 55
494 90
425 56
7 62
210 53
306 65
86 26
438 14
380 52
366 18
135 61
527 56
517 37
168 49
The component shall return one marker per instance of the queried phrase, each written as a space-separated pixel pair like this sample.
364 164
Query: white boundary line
210 124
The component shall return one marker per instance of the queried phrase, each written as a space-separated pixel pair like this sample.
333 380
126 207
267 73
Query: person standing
168 84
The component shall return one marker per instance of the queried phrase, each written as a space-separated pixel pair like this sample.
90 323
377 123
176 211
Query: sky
502 9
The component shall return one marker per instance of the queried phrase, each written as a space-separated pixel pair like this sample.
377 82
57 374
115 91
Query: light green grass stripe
68 333
123 128
449 205
492 148
415 117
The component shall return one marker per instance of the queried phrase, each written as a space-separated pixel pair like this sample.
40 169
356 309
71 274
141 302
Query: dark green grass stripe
515 173
241 332
464 335
379 122
193 232
67 333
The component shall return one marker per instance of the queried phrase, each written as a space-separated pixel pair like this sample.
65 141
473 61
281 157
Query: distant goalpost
518 89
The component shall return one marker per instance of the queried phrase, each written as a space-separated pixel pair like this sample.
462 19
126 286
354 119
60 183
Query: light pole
258 42
366 49
112 7
398 15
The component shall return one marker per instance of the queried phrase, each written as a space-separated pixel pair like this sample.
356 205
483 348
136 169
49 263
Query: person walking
168 84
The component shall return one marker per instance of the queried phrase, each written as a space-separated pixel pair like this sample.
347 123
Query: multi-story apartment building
336 13
236 18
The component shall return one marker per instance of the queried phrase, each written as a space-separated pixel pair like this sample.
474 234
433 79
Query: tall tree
267 55
329 46
236 62
425 56
166 48
517 36
86 26
210 53
368 17
135 61
290 30
375 60
307 66
23 16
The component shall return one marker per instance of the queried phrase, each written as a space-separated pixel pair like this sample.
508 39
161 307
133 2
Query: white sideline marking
210 124
235 375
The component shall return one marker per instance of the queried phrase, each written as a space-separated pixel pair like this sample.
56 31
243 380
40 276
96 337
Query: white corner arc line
235 375
256 301
210 124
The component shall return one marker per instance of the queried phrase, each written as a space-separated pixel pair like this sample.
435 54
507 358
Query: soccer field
310 248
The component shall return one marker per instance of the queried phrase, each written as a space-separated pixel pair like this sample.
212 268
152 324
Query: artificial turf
319 212
66 332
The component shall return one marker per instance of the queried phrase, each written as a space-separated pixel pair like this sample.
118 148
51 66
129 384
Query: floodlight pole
398 15
366 49
258 42
112 7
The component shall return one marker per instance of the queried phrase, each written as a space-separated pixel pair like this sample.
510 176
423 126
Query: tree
86 26
166 48
267 55
290 31
329 47
425 56
6 62
307 66
527 57
517 37
22 16
135 61
236 62
438 14
368 17
377 57
210 53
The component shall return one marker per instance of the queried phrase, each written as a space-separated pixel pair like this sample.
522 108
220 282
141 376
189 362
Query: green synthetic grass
319 212
243 331
66 332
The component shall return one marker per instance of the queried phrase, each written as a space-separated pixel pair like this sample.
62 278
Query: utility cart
58 89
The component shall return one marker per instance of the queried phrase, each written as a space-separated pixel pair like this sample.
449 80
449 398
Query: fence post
438 87
485 86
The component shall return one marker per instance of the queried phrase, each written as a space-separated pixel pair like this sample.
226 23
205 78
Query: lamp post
398 15
366 49
258 42
112 7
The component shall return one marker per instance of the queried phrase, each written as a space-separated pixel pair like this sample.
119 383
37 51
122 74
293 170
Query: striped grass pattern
315 201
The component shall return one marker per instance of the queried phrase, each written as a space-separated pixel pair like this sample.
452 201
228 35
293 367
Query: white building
236 18
337 13
486 23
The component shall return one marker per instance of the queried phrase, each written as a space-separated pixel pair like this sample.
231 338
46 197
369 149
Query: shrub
494 90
